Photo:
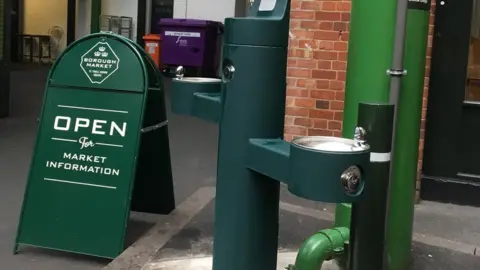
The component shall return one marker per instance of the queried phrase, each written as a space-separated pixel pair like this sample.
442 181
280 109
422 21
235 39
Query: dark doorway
5 53
15 22
71 20
160 9
451 164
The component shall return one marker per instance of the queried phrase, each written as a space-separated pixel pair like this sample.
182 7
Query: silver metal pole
396 72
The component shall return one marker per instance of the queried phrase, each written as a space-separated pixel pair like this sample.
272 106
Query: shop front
451 165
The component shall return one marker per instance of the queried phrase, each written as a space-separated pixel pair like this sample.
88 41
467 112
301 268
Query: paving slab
205 263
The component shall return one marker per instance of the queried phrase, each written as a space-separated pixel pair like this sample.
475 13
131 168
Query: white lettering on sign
99 62
85 142
91 164
182 34
182 42
98 127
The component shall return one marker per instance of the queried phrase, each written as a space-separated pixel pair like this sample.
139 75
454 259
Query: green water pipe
322 246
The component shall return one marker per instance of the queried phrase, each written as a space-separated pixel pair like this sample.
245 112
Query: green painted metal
310 174
342 214
96 11
402 195
101 128
200 97
315 174
368 226
370 48
320 247
253 107
270 157
342 219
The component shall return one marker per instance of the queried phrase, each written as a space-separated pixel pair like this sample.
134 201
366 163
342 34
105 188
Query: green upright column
95 18
370 49
253 97
405 157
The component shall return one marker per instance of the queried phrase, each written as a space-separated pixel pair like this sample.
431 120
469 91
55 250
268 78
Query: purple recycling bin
191 43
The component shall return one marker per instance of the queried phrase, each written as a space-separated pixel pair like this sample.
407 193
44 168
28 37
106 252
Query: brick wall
317 67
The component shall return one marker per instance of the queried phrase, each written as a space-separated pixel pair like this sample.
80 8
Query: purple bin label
182 37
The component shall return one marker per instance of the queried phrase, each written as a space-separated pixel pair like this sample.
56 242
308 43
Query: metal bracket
154 127
397 72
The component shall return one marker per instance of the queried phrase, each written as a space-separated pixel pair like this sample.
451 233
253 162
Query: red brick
322 84
338 116
325 55
298 73
289 101
304 15
322 114
322 94
328 16
340 46
302 34
304 102
345 16
319 132
334 125
310 5
340 95
339 65
289 120
342 56
344 36
320 123
295 92
294 130
343 6
307 63
326 35
340 26
303 121
324 74
309 24
306 83
326 45
297 111
324 64
326 25
337 85
329 6
336 105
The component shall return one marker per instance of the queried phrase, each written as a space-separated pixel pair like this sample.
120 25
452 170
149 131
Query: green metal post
95 16
367 241
405 156
370 49
253 98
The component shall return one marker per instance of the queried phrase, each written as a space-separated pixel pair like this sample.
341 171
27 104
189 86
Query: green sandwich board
101 149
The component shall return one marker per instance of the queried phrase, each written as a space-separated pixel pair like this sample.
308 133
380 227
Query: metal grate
120 25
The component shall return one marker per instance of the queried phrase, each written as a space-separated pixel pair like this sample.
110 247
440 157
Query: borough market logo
100 62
